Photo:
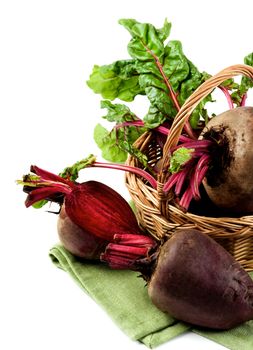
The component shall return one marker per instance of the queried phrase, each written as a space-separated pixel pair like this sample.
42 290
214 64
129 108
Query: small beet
91 214
196 280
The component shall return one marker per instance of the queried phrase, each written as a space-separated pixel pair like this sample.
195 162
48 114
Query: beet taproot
197 281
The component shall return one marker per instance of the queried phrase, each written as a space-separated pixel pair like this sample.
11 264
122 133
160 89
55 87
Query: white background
47 115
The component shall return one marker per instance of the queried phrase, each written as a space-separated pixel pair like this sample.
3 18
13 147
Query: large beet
196 280
229 182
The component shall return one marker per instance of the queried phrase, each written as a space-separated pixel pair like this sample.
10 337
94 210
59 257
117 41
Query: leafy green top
157 69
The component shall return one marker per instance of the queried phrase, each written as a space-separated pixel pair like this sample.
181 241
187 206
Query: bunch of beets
190 276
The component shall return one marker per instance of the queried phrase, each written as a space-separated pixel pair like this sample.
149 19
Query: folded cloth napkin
149 325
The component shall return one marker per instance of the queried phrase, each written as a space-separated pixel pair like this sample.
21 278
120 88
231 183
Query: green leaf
147 67
246 83
145 39
200 112
132 205
175 65
153 118
230 84
148 80
117 112
128 23
116 144
179 158
107 142
40 204
130 149
164 32
117 80
72 172
249 59
188 86
193 80
104 83
160 100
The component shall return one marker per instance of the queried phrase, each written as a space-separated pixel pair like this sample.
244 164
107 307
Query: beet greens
159 70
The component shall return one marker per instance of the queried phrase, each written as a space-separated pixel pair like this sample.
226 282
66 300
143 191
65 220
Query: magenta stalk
228 97
133 170
162 129
243 101
128 250
190 177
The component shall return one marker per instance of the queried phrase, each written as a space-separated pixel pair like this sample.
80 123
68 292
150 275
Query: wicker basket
159 214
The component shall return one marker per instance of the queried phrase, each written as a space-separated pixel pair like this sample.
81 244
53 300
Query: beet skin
229 184
197 281
78 241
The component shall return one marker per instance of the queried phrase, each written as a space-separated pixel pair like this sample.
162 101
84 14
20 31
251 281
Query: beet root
197 281
229 183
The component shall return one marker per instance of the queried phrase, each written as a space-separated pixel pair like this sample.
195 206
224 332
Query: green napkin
149 325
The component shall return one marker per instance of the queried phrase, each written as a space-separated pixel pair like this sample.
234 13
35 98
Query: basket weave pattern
157 212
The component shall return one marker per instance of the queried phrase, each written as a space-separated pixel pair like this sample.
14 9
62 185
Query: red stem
243 101
126 250
195 181
228 97
194 186
128 168
198 144
202 174
186 199
162 129
41 193
193 171
171 91
171 182
204 159
117 262
181 179
133 240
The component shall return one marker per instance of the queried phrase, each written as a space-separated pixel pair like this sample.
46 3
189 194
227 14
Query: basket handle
190 104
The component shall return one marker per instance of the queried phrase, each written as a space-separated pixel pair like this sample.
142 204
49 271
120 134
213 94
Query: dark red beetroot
92 205
78 241
91 215
195 280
